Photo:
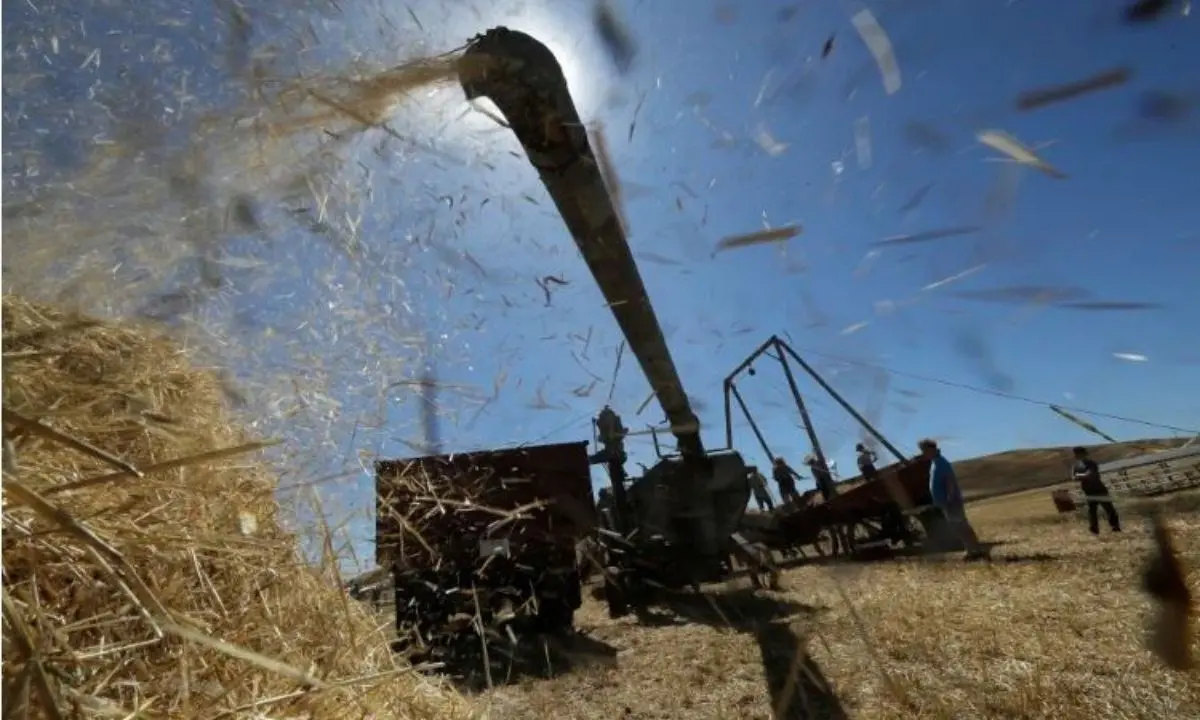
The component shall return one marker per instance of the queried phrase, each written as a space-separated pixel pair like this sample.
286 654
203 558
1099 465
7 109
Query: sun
572 50
564 27
440 120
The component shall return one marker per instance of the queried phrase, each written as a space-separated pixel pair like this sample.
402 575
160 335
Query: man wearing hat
947 496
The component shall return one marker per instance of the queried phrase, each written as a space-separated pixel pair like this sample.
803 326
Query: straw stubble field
180 594
1054 627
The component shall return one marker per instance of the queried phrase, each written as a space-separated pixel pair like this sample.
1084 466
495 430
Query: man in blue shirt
947 496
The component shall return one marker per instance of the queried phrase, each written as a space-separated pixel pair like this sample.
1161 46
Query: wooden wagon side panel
899 483
448 503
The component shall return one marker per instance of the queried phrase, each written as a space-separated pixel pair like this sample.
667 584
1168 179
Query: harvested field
173 594
1052 628
178 593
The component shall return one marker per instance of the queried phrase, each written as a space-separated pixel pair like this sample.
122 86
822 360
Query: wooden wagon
880 513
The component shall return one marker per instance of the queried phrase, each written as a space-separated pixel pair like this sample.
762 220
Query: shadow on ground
883 555
795 683
797 687
473 669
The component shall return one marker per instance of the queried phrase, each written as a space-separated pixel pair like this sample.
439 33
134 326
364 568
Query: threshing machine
483 541
674 527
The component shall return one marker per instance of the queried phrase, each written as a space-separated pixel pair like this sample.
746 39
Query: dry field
1053 627
179 594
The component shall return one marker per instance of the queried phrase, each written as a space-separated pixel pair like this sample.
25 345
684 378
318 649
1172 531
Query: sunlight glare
444 117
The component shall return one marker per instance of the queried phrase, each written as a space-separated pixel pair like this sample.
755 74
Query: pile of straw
145 568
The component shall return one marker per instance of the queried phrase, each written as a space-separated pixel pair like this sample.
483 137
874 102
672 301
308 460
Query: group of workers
944 490
785 479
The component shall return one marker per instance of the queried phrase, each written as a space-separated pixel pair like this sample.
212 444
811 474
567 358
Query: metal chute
522 77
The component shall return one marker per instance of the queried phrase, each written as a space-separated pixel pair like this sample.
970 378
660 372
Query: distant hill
1017 470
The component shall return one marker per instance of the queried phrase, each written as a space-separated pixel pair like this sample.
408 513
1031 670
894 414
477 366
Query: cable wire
998 393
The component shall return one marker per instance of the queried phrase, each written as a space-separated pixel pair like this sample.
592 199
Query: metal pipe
654 430
729 380
728 417
808 425
841 401
730 387
616 478
751 358
523 78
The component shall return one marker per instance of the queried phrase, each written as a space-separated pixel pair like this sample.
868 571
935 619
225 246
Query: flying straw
761 237
1010 146
881 47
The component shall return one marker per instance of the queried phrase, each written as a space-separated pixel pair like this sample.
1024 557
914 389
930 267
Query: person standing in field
866 462
947 497
758 485
822 476
785 478
1087 474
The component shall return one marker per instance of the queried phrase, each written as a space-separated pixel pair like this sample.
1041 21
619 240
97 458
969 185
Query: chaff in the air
881 48
773 235
1003 142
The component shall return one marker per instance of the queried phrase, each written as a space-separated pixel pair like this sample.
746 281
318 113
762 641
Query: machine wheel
614 596
855 533
913 535
759 566
768 567
826 543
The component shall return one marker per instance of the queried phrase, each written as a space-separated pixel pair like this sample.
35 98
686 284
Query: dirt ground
1052 627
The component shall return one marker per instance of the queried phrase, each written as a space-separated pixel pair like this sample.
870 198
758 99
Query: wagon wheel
913 532
853 535
762 568
770 569
828 542
825 543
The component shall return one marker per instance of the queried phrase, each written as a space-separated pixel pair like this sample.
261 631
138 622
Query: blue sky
460 229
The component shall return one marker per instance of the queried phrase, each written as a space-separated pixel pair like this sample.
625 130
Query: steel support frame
785 355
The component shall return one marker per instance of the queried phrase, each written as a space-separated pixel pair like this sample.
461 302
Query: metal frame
845 530
782 353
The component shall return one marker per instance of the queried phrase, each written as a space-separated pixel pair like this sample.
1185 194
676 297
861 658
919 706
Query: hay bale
177 593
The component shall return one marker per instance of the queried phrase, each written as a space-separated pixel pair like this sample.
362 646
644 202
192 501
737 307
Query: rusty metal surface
443 496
